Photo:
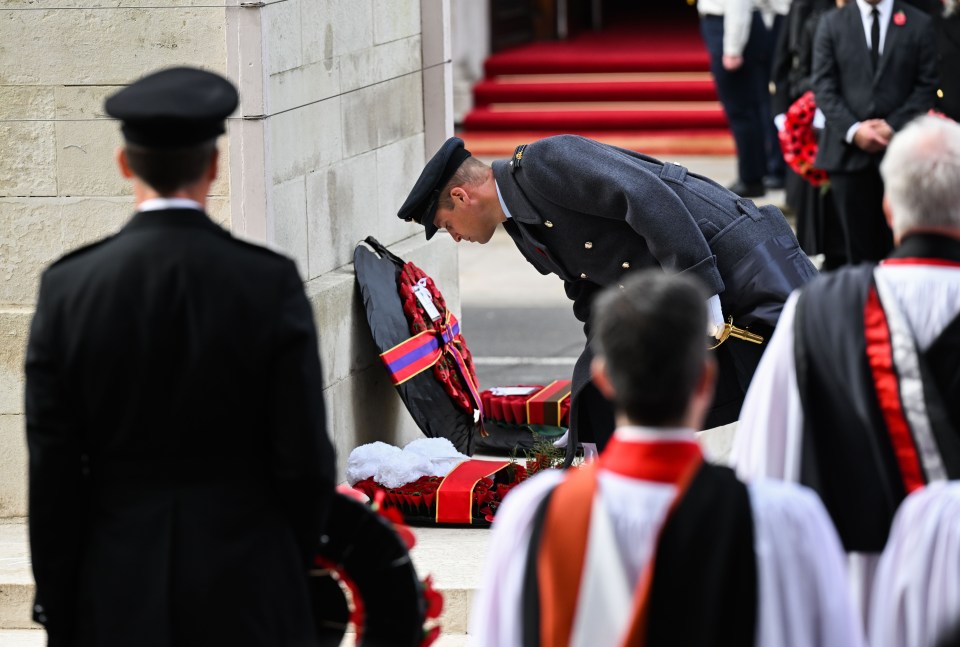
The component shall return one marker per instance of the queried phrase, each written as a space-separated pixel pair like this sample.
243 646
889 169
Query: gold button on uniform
583 276
588 245
625 265
547 223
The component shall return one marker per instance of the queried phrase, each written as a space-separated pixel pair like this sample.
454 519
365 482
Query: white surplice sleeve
916 594
802 587
496 615
767 441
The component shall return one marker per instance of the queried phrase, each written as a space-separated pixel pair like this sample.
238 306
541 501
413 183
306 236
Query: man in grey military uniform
590 213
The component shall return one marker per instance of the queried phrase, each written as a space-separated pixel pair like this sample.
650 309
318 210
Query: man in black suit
180 469
874 69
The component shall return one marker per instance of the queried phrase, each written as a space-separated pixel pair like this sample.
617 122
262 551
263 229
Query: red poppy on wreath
899 19
798 141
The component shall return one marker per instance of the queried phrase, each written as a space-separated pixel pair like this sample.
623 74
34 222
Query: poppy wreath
459 380
416 501
798 141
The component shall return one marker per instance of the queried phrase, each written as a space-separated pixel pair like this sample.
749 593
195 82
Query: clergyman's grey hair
921 175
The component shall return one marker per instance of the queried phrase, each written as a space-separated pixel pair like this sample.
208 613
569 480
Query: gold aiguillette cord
729 330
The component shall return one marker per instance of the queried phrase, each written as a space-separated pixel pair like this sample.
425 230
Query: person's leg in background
858 197
776 168
737 91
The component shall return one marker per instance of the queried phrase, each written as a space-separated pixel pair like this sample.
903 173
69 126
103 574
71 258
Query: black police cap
175 108
421 205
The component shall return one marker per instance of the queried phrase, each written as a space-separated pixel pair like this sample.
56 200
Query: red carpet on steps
638 83
585 117
654 46
683 87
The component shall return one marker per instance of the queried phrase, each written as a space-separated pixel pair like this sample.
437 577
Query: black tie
875 39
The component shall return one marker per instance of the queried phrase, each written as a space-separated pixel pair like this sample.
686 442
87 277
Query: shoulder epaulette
517 159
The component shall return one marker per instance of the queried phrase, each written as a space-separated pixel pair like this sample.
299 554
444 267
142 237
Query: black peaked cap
175 108
421 205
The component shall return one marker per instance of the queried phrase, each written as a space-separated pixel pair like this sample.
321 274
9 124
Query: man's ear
122 163
598 372
459 194
214 165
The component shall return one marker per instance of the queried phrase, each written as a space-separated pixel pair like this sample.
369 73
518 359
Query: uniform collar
166 218
510 193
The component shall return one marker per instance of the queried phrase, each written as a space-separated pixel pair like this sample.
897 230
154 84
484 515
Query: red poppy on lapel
899 19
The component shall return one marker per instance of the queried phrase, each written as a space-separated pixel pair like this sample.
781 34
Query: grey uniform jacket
590 213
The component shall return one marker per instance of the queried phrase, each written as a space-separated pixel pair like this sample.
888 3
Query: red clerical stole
563 547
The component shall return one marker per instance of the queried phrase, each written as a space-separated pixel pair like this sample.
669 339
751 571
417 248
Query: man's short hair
166 170
472 171
652 335
921 175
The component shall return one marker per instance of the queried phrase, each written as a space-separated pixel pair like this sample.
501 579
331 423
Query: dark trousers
745 97
858 197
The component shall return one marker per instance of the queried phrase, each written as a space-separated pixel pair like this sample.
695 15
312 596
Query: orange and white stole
584 595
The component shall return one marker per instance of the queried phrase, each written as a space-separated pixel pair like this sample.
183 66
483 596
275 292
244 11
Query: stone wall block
302 85
106 4
221 185
346 346
290 220
86 163
83 102
398 167
14 331
34 232
282 26
380 63
26 102
395 19
365 409
34 51
28 158
30 239
335 27
382 114
341 210
86 220
306 139
218 208
13 467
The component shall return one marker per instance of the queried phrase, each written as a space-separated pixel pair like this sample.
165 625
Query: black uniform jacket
590 213
849 89
180 467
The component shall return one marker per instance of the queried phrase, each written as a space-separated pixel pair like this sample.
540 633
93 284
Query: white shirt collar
159 204
503 205
637 434
885 7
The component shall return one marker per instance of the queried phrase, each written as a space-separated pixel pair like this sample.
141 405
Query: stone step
16 579
454 557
